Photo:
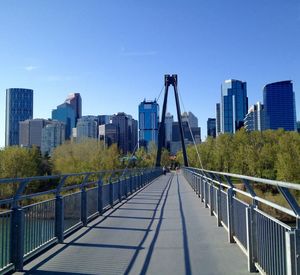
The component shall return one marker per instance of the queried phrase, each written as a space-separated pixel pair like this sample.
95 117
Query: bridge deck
162 229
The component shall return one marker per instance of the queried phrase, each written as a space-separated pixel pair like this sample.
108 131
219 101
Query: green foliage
16 162
268 154
88 156
288 157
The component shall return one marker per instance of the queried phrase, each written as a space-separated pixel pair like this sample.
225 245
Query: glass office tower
234 105
279 106
74 99
211 127
66 114
19 107
148 122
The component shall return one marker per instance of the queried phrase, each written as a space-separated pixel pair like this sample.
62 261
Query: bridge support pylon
170 80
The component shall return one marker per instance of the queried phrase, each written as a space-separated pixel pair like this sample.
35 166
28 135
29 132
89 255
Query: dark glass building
211 127
19 107
148 122
126 132
66 114
234 105
279 106
74 99
218 119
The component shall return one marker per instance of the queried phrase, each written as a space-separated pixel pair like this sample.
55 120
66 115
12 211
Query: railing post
290 252
202 189
211 199
119 190
219 206
100 195
111 193
84 213
297 251
59 218
130 184
125 186
198 186
230 214
251 237
205 193
17 238
141 180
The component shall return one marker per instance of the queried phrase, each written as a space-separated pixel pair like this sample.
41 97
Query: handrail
271 246
275 183
29 229
24 182
280 185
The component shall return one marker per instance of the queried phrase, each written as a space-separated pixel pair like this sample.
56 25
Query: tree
288 157
86 156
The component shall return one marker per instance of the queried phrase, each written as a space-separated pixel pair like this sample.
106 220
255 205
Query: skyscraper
30 132
211 127
254 120
108 133
74 99
148 122
104 119
168 128
66 114
234 105
190 118
279 106
53 135
218 119
127 132
87 127
19 107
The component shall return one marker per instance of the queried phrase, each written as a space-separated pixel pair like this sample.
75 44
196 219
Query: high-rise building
30 132
19 107
218 119
74 99
234 105
53 135
190 118
279 106
66 114
168 129
104 119
108 133
127 132
175 132
190 135
211 127
254 120
148 122
298 126
134 135
87 127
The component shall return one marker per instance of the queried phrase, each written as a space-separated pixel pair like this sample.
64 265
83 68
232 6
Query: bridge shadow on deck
147 234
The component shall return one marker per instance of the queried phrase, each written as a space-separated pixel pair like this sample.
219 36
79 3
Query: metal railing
27 228
271 246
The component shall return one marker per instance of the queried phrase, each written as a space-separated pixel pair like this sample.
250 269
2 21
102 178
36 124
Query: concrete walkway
162 229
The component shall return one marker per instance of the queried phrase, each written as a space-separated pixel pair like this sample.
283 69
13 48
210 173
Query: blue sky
116 52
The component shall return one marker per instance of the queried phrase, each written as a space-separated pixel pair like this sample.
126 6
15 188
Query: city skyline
60 50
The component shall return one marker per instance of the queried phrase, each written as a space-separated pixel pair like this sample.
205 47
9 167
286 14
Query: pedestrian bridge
184 222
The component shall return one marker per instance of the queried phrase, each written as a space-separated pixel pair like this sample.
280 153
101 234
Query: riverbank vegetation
269 154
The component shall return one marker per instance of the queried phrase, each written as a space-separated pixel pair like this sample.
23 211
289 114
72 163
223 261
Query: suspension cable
194 142
160 93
